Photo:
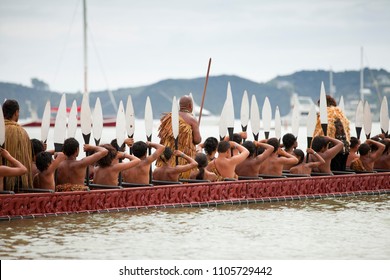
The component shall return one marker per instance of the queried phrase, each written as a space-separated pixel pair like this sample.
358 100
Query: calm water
347 228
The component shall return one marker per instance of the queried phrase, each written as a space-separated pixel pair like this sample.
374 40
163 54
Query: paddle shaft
149 138
204 91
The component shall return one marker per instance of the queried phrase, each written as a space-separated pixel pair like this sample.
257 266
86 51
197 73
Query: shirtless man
209 146
44 179
273 165
140 173
353 148
171 173
224 166
367 156
384 161
16 168
72 171
303 167
108 167
250 166
320 145
290 144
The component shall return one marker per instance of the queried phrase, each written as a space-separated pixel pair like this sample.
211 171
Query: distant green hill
278 90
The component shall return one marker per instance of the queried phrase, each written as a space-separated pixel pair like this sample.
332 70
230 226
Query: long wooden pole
204 91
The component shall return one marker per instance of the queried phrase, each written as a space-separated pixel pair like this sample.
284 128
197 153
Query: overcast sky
134 43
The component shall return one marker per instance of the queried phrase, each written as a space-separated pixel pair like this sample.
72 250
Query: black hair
43 160
299 153
114 143
274 142
166 155
237 138
201 159
210 145
250 146
107 159
36 147
364 149
318 143
139 149
353 142
289 140
223 146
70 146
10 106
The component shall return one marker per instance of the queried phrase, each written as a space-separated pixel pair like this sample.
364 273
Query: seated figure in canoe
250 166
353 151
108 167
225 164
15 168
290 143
384 161
46 166
140 173
306 167
209 146
370 151
320 145
71 172
274 164
168 172
202 173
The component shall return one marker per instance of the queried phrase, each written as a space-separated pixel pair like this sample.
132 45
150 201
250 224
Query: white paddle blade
85 115
341 103
295 117
359 115
229 107
311 121
244 116
120 124
278 123
148 118
72 120
175 118
60 123
2 127
97 120
222 126
45 122
323 109
367 118
267 114
130 117
255 116
384 116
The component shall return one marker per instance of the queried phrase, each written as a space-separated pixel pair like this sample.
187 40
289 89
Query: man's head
107 159
364 149
166 155
354 142
43 160
250 146
298 153
274 142
114 143
36 147
223 147
289 141
139 149
11 110
71 147
237 138
186 103
319 143
210 145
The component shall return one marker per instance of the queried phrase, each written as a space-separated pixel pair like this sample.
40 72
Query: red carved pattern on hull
50 203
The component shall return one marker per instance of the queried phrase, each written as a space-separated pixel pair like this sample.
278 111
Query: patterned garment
71 188
357 165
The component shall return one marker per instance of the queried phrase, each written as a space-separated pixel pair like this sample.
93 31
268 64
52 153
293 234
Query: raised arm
59 157
286 158
332 152
377 154
99 152
317 157
191 163
244 153
158 152
128 164
267 152
17 168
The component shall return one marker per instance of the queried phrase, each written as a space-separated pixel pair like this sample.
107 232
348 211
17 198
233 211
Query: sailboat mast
85 47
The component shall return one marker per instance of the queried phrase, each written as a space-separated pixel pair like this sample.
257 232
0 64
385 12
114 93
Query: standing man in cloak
17 143
189 134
